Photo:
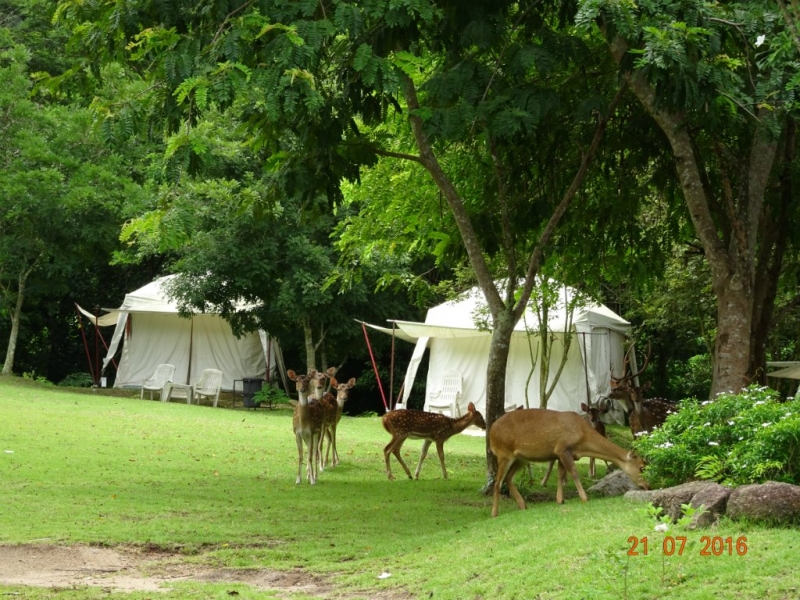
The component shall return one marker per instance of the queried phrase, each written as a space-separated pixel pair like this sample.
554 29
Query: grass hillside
218 486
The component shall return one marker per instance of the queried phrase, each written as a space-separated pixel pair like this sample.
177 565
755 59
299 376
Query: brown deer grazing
645 414
593 414
428 426
342 393
307 425
540 435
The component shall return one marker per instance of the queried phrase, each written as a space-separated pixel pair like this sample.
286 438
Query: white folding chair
164 374
445 400
208 385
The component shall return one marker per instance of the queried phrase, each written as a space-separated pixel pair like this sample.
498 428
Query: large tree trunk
732 263
16 315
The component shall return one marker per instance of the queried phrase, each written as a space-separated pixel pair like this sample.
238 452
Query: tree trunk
308 337
499 347
16 315
732 265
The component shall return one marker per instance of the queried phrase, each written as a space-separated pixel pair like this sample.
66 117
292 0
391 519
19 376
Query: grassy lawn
217 485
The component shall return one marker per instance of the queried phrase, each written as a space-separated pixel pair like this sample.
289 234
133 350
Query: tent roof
152 298
468 316
790 372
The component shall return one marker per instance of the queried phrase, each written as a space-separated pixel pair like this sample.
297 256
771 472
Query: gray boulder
671 499
615 483
771 502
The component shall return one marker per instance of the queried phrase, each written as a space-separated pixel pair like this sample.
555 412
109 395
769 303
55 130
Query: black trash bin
250 387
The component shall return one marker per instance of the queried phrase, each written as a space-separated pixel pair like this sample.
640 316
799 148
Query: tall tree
717 79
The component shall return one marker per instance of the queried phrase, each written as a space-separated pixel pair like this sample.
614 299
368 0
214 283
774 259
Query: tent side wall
153 339
157 338
470 356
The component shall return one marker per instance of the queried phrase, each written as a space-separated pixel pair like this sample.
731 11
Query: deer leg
547 473
332 441
569 463
313 459
512 489
393 447
562 479
299 440
592 468
425 445
503 467
440 451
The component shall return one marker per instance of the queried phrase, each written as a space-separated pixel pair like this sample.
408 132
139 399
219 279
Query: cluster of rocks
772 502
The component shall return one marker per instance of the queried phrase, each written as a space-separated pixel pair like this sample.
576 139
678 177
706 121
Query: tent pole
96 351
391 371
374 366
191 342
585 367
85 342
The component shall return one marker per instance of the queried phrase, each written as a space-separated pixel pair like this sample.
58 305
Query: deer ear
331 372
471 407
292 375
352 382
584 408
334 383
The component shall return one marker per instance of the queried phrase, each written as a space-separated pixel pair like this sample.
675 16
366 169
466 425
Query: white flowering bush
750 437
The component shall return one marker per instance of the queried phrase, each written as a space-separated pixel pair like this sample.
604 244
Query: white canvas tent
456 343
154 333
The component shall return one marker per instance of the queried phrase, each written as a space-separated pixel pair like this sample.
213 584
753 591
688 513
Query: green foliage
270 394
734 439
691 378
83 380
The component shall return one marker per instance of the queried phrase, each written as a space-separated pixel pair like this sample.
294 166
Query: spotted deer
342 393
328 406
307 426
520 437
428 426
645 414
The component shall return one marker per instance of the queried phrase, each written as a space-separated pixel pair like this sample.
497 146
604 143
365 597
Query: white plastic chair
208 385
445 400
164 374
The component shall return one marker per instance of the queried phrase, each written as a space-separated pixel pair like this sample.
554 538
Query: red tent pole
85 343
375 367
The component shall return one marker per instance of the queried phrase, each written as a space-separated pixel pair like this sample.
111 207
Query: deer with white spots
428 426
307 426
342 393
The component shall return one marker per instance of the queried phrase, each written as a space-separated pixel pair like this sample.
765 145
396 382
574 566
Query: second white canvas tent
154 333
456 343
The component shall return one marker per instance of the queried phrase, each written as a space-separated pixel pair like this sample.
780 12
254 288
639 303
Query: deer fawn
540 435
307 425
428 426
342 393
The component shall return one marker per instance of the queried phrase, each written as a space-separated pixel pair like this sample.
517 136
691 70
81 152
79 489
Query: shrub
750 437
270 394
77 380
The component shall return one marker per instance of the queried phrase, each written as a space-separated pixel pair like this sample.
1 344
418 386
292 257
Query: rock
671 499
714 498
771 502
641 496
615 483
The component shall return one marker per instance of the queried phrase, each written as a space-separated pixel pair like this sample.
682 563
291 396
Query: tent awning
398 333
790 372
106 320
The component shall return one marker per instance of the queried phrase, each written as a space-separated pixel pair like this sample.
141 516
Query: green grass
218 486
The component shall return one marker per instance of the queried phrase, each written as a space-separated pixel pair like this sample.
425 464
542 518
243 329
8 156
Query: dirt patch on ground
133 569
